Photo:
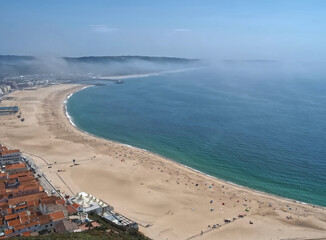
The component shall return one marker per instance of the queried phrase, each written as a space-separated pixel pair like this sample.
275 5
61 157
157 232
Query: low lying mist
97 66
123 65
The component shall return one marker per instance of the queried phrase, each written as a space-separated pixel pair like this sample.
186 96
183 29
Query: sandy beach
176 202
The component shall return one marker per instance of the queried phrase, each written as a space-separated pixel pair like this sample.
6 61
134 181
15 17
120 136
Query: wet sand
175 201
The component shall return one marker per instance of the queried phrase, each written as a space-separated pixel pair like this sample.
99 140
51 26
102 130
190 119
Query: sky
273 30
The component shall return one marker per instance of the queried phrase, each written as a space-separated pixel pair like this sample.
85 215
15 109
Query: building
119 220
88 203
9 156
5 89
65 226
24 205
8 110
16 168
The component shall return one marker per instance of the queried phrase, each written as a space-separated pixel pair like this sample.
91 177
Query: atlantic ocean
261 129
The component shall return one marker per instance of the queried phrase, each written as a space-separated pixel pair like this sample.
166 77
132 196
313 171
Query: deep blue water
266 132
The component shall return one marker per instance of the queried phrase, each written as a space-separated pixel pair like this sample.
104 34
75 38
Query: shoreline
146 187
180 164
65 106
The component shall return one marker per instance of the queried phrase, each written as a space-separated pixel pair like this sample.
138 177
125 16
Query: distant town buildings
9 84
5 89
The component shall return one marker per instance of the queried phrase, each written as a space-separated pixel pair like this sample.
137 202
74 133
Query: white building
90 203
5 88
9 156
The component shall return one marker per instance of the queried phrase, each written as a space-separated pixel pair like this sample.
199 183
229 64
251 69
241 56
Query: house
16 167
9 156
65 226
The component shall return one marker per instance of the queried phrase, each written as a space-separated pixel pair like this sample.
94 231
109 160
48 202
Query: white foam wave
65 105
67 114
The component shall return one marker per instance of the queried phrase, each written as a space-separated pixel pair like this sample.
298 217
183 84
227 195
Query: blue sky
278 29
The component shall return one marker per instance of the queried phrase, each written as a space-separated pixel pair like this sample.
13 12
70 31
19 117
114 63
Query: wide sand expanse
147 188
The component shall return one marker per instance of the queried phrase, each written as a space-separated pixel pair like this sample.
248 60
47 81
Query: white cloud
182 30
102 28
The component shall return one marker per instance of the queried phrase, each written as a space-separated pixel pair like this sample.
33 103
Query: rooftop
15 166
31 197
11 216
14 223
44 219
26 234
57 216
71 210
87 200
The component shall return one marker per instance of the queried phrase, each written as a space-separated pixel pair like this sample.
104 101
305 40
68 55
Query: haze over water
263 131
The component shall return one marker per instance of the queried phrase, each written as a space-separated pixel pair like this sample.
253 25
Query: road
44 181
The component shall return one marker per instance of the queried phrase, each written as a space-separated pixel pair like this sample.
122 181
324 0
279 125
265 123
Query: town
32 81
8 84
31 206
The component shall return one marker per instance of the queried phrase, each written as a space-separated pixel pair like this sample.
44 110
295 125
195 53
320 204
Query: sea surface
255 126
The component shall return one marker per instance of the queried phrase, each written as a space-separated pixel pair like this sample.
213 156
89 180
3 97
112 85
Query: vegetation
105 231
96 234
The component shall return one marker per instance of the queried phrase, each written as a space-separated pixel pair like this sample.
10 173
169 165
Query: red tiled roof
20 207
22 174
31 197
71 210
44 219
75 205
22 214
19 227
23 217
4 152
13 223
32 217
26 234
9 231
32 224
56 216
15 166
31 203
11 216
61 201
50 199
26 178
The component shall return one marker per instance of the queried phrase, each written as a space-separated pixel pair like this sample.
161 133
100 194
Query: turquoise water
263 132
